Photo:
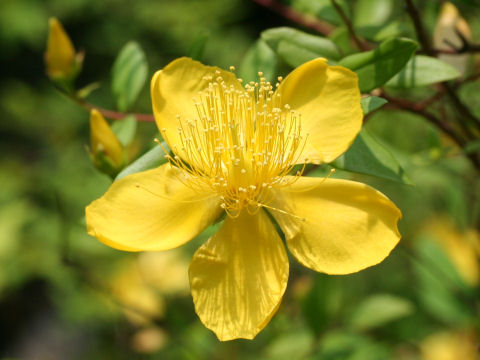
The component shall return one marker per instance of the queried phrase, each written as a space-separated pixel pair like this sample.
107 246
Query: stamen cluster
241 142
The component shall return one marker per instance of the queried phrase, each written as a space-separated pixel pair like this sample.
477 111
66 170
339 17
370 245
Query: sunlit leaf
367 156
129 75
423 70
372 103
374 68
125 129
378 310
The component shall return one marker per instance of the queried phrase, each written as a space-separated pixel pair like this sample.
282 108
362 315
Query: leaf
372 12
125 129
374 68
129 75
149 160
260 57
367 156
371 103
296 47
438 282
198 47
291 346
423 70
378 310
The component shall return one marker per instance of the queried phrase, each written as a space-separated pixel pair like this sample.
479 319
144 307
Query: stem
417 23
110 114
361 46
309 22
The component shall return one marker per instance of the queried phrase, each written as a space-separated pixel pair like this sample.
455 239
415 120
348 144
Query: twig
321 27
360 45
442 125
417 23
110 114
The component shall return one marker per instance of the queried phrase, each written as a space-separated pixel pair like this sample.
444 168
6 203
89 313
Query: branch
321 27
417 23
113 115
360 45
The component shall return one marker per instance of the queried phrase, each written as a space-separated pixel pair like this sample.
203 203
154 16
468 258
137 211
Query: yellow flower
235 150
60 55
453 345
104 143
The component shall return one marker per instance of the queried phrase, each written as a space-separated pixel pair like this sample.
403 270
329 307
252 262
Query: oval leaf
260 57
129 75
374 68
371 103
423 70
367 156
378 310
297 47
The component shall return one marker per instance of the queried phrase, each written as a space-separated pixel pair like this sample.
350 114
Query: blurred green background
63 295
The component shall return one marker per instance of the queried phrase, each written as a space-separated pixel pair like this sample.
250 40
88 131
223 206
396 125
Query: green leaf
129 75
374 68
260 57
371 103
296 47
125 129
149 160
439 284
198 47
367 156
379 310
291 346
372 12
423 70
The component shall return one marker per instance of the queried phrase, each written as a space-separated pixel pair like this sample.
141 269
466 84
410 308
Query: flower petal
239 276
328 99
346 226
173 89
152 210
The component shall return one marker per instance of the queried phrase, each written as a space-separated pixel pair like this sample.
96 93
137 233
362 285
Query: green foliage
368 156
297 47
421 71
372 103
47 179
260 57
129 74
149 160
374 68
378 310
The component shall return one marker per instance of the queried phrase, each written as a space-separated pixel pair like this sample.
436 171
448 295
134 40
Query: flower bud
106 150
60 55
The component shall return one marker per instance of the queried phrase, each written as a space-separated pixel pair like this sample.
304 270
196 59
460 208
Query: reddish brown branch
114 115
417 23
359 44
319 26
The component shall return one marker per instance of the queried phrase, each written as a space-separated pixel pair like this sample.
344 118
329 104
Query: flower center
241 142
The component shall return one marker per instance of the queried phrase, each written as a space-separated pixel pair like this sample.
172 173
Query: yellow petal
102 138
346 226
173 90
151 210
239 276
60 51
328 99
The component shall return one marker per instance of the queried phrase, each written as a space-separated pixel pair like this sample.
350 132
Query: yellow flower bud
103 140
60 55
